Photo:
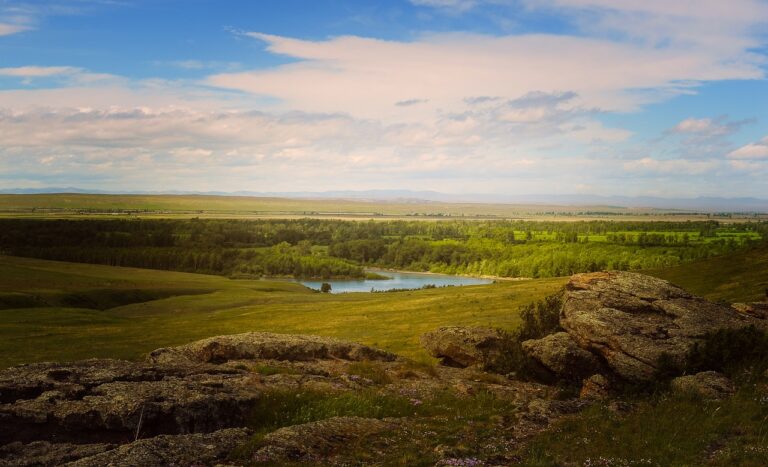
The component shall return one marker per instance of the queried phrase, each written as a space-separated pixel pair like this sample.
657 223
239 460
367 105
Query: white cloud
364 76
752 151
38 71
451 5
449 112
6 29
703 125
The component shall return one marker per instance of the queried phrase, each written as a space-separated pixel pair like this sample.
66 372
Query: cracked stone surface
630 320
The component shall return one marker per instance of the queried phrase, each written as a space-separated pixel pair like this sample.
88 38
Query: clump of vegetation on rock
730 351
733 352
539 319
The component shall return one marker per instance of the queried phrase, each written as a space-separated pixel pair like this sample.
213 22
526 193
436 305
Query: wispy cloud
752 151
6 29
38 71
200 64
451 5
410 102
363 76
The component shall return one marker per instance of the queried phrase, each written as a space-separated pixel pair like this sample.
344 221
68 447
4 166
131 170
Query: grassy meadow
53 310
63 314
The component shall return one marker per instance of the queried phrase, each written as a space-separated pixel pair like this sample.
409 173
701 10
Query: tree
325 287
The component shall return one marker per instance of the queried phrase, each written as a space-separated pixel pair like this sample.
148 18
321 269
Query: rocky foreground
196 404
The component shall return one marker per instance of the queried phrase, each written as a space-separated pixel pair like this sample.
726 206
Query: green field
198 306
62 311
163 206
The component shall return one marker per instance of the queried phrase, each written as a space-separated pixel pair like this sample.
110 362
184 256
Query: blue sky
631 97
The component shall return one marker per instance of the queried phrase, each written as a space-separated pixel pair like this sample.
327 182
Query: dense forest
332 248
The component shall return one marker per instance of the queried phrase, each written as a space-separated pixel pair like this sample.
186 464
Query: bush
730 351
733 352
539 319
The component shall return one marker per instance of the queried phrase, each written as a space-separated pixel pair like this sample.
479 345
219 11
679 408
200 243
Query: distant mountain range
700 204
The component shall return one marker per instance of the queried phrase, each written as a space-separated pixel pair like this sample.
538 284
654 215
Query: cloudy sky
613 97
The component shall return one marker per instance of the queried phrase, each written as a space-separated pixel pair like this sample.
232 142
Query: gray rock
596 387
43 453
312 441
630 320
707 385
31 380
757 310
165 450
559 354
266 346
115 411
463 347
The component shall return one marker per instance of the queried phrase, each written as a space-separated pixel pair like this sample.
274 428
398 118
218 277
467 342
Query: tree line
333 248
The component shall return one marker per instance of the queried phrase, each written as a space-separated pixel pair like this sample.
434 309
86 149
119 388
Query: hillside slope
738 277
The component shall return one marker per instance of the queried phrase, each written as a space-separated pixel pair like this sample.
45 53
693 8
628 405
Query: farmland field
246 207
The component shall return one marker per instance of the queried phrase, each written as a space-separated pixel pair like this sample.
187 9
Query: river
398 280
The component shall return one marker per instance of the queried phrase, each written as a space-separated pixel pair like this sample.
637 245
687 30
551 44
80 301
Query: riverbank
474 276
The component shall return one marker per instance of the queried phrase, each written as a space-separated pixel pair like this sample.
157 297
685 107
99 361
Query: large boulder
707 385
464 347
631 321
560 354
266 346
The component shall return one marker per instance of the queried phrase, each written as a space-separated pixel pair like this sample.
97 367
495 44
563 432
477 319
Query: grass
63 311
738 277
669 430
196 306
441 419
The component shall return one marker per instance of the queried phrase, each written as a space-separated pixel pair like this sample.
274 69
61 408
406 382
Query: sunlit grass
393 321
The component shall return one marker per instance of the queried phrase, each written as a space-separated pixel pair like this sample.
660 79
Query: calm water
399 280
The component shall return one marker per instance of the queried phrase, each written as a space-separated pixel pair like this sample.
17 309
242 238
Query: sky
608 97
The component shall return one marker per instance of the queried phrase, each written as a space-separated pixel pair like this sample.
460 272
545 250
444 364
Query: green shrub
730 351
539 319
370 370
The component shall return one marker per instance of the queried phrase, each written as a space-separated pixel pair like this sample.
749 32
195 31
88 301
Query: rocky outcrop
192 449
44 453
559 354
267 346
755 309
114 411
464 347
185 404
707 385
311 442
631 320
